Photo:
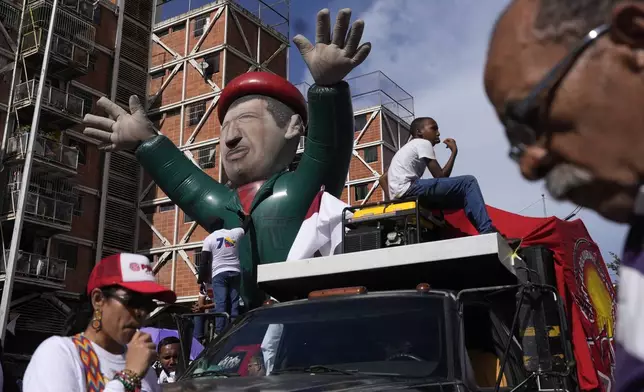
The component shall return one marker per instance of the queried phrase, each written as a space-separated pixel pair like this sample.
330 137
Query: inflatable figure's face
253 145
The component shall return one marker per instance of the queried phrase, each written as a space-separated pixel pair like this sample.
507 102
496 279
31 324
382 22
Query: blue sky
435 50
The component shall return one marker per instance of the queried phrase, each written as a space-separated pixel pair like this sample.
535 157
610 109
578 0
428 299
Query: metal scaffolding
11 260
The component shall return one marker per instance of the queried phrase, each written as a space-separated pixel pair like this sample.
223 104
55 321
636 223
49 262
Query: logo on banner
594 293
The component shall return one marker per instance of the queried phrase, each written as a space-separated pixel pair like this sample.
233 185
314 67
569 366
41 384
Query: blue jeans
454 193
199 329
225 286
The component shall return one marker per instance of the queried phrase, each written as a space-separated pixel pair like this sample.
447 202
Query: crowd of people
566 81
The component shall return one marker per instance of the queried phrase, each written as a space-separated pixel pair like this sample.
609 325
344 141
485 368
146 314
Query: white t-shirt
408 165
223 244
56 367
165 378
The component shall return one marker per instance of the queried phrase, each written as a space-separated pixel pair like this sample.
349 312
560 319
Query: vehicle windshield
400 335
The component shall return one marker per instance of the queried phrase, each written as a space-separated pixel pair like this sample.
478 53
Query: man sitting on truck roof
442 191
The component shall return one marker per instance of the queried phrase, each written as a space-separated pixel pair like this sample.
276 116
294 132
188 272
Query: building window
179 27
97 15
82 150
158 74
92 62
163 33
200 24
206 157
69 253
213 64
196 112
371 154
197 258
78 205
187 219
361 191
360 122
166 207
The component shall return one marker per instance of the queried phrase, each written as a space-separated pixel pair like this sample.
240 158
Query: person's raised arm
435 168
329 142
195 192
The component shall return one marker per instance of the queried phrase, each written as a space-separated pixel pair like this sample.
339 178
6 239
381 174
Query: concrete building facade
98 48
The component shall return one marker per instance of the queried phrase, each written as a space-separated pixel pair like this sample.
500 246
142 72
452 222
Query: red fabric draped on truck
582 281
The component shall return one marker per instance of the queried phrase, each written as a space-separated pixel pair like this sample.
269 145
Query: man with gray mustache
567 81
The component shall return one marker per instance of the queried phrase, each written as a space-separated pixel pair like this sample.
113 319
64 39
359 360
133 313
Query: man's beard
565 177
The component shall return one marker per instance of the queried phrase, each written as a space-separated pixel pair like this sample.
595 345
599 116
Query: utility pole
545 212
5 304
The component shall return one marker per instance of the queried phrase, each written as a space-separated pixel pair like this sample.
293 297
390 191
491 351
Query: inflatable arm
195 192
329 142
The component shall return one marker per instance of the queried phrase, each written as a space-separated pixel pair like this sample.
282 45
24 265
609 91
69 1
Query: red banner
582 281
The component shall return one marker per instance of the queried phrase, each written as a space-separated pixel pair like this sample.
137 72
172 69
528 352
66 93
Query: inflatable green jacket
281 203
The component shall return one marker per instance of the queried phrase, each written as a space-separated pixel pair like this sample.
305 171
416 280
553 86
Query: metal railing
68 23
37 266
377 89
44 148
44 208
52 97
9 15
60 47
83 8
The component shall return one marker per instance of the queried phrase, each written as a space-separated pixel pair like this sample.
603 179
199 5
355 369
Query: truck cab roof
454 264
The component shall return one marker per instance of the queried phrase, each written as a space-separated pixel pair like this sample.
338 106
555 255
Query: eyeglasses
132 300
523 119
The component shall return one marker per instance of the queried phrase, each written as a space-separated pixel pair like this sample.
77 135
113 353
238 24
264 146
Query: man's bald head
588 124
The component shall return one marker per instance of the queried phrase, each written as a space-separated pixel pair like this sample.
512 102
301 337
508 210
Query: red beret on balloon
262 83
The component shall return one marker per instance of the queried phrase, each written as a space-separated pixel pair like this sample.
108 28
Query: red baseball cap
262 83
130 271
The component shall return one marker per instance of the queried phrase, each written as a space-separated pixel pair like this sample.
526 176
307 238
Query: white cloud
436 51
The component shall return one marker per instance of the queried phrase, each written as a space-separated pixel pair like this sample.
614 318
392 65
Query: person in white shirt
221 251
408 166
111 354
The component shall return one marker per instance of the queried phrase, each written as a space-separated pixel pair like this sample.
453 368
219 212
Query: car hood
310 383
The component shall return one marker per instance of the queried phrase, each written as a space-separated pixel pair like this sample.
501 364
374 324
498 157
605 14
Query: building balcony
84 8
48 154
74 22
9 16
59 109
37 270
68 60
45 214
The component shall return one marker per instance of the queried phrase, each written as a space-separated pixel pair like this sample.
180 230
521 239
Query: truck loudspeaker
540 261
540 325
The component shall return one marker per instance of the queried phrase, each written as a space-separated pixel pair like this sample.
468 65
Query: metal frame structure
174 248
69 26
24 186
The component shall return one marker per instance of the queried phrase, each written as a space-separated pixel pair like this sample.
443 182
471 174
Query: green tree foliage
614 264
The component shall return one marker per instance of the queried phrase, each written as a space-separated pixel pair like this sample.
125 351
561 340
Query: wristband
130 380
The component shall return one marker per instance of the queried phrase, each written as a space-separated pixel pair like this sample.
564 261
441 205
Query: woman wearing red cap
110 354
